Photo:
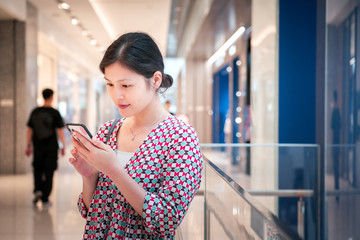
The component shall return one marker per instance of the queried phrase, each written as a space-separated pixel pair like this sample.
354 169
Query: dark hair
47 93
138 52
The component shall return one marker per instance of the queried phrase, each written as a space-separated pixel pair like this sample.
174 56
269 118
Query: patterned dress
168 166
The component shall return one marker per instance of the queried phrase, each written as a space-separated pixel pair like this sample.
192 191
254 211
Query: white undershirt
123 157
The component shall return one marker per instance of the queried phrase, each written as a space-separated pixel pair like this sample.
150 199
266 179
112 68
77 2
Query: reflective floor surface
20 219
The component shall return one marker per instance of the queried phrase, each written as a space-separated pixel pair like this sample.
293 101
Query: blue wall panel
297 76
297 105
220 103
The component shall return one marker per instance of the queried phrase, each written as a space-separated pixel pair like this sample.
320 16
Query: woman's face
129 91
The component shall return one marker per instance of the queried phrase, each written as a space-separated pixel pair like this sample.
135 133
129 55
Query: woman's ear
157 79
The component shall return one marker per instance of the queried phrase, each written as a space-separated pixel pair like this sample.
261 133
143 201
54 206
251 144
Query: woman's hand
95 153
80 164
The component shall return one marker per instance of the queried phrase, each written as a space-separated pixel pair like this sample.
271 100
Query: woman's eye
109 84
126 85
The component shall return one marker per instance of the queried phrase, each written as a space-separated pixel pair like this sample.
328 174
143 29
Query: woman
139 184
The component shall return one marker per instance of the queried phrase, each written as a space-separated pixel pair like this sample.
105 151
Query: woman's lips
123 106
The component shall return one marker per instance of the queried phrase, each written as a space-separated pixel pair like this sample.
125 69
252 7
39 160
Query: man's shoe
46 205
37 197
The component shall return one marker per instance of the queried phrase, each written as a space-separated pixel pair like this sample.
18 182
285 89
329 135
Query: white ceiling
107 19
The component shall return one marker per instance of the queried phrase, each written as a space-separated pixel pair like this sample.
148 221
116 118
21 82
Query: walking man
45 126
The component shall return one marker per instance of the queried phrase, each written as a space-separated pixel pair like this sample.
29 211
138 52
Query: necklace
146 126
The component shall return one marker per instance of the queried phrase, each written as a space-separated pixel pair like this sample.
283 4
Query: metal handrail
247 197
283 193
288 193
342 192
257 145
300 193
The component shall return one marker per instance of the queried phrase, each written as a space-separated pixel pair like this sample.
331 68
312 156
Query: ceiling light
226 45
85 33
63 5
74 21
238 120
232 50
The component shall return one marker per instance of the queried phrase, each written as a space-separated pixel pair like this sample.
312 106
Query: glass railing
342 191
257 191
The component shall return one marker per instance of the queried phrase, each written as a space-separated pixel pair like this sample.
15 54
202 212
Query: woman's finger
75 142
78 145
99 144
94 144
83 156
73 151
76 153
72 160
84 141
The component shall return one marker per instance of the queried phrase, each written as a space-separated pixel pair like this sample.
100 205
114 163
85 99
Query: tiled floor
19 219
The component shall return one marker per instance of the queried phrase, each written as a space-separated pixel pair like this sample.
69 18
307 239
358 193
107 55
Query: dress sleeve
180 178
81 206
101 135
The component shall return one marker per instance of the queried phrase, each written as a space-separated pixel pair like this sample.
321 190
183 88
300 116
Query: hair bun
167 81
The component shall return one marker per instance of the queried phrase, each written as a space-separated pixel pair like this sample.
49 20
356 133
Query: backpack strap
113 125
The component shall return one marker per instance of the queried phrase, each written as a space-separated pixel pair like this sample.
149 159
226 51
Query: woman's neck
151 115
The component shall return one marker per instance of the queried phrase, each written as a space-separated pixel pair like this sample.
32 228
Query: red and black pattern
168 166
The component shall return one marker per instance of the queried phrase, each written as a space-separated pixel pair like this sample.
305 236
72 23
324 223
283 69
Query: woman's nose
119 94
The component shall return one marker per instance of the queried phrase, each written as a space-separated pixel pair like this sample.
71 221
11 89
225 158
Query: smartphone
80 128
